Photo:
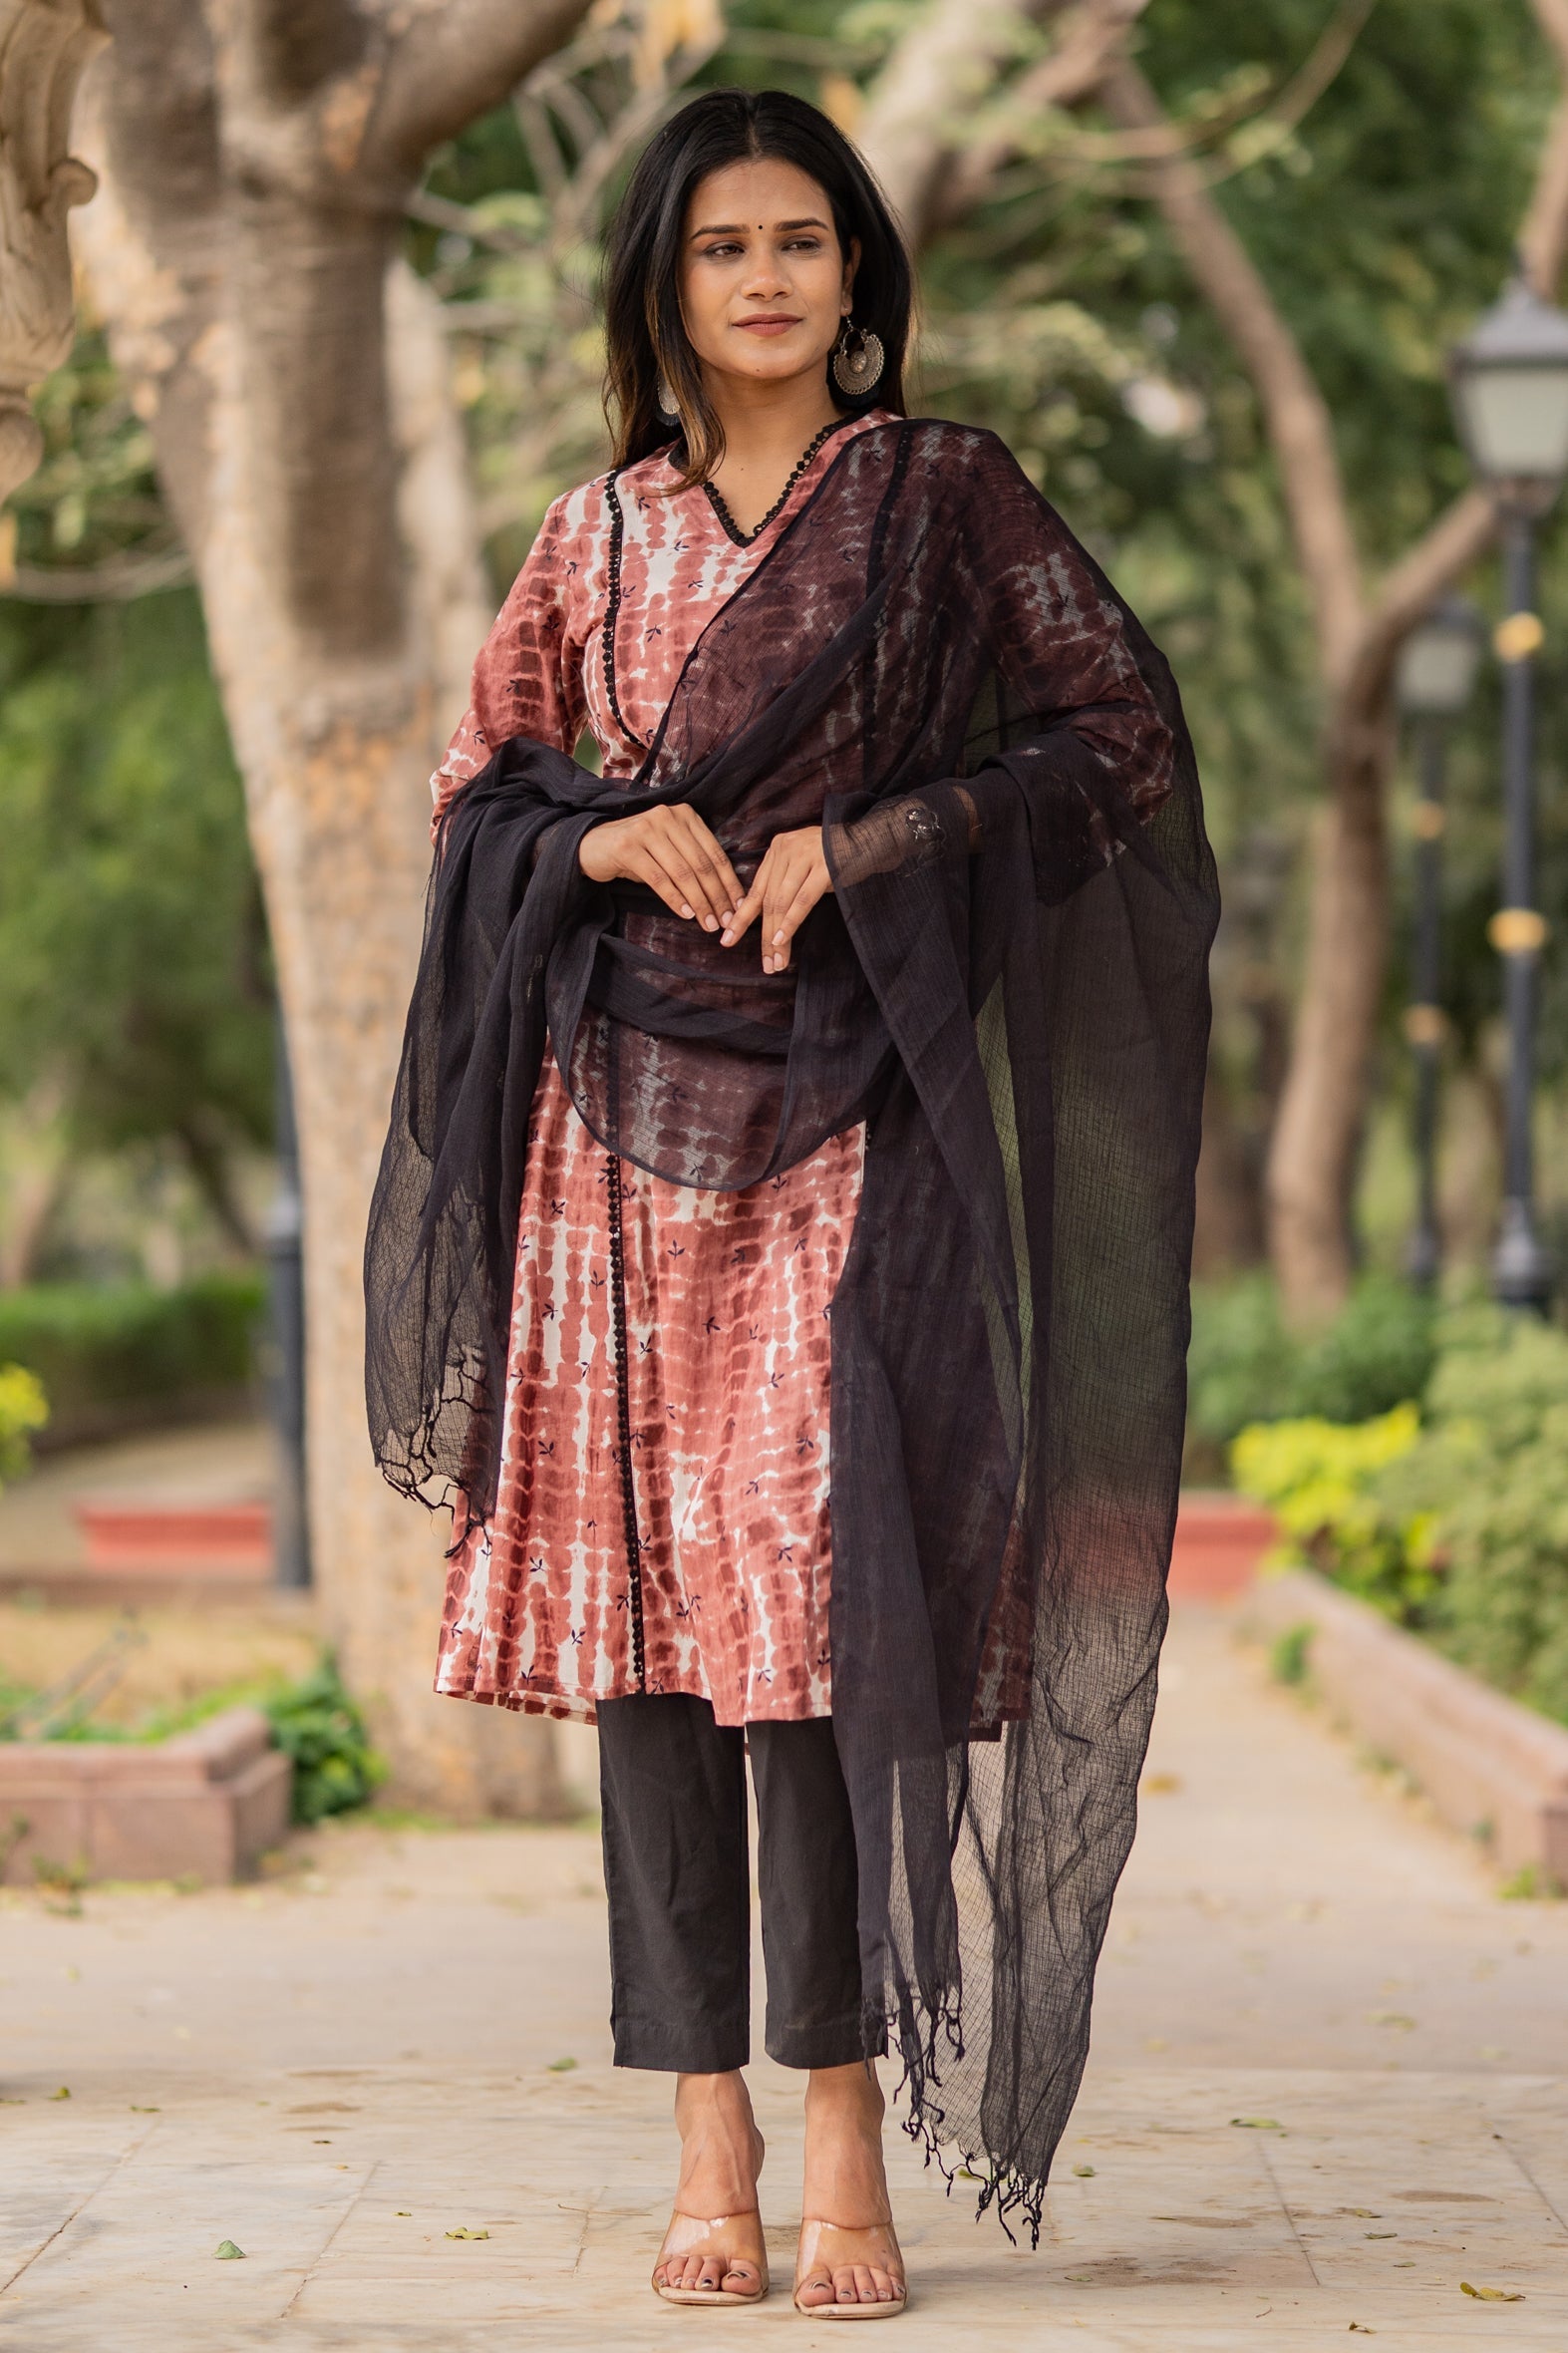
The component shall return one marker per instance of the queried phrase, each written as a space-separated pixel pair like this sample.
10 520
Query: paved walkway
407 2038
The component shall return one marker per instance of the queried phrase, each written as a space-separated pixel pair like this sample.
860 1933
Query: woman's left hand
786 887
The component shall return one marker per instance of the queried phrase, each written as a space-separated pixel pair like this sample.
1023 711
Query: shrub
321 1731
1244 1367
1493 1467
1322 1481
96 1345
1455 1522
23 1409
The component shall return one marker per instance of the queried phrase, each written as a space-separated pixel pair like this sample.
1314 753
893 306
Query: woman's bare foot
848 2253
714 2240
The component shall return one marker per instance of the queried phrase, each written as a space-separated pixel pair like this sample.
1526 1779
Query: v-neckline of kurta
802 467
607 626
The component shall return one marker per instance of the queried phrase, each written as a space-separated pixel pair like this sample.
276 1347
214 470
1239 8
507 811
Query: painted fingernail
710 922
778 940
686 912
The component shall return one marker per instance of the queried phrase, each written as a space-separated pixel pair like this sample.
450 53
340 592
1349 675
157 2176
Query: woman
780 1249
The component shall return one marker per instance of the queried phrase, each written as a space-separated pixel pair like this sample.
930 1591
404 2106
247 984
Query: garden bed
204 1804
1494 1769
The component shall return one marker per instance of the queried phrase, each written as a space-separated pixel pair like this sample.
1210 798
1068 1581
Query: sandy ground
405 2035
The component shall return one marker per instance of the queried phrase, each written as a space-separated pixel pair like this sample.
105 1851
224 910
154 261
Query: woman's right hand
672 851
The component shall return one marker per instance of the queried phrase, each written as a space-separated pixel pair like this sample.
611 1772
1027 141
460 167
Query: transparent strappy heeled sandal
826 2248
689 2234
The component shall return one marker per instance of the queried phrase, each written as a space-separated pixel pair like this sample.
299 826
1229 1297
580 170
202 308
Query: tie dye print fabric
727 1293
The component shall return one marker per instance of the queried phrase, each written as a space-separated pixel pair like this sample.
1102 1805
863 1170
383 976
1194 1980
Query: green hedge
1244 1367
1452 1520
93 1346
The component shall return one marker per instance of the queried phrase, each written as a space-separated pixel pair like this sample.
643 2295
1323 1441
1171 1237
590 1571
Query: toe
817 2290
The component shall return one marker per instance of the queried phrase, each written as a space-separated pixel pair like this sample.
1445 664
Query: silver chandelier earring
669 412
857 366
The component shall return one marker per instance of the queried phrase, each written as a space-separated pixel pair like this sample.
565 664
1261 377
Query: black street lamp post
1510 393
1437 666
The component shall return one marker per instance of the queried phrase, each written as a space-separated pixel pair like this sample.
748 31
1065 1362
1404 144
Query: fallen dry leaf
468 2234
1258 2123
64 2093
1084 2173
228 2252
1492 2296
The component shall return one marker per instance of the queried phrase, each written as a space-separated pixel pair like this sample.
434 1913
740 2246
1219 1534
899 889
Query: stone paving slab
1191 2229
338 2068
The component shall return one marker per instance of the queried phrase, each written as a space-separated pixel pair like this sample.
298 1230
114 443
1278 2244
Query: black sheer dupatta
1009 987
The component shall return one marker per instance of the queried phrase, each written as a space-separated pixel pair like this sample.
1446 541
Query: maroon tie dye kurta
726 1292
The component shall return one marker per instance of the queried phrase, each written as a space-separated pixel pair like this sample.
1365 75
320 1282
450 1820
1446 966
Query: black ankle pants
673 1791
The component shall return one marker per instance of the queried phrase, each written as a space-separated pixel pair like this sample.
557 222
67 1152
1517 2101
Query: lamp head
1509 381
1439 659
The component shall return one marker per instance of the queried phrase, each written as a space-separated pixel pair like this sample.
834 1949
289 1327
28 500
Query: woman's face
764 285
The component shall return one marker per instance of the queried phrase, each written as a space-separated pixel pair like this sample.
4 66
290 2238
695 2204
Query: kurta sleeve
1080 730
528 676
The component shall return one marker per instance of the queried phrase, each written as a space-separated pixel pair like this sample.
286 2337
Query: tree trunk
1313 1152
248 277
1227 1234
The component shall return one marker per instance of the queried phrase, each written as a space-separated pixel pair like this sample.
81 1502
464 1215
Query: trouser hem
836 2042
700 2049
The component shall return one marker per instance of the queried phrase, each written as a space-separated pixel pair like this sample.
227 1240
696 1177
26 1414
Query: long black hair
645 333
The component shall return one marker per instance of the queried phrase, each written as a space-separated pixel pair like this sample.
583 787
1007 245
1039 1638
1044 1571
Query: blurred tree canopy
135 998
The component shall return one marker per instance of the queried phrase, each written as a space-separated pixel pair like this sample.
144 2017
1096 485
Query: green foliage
1290 1655
23 1409
1456 1524
1322 1482
1531 1885
1244 1367
1493 1467
95 499
314 1721
133 958
318 1726
108 1344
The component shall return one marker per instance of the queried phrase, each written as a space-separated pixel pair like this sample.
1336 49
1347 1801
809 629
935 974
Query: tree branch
1543 235
453 61
115 582
946 61
1296 415
1441 555
1090 36
1457 537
